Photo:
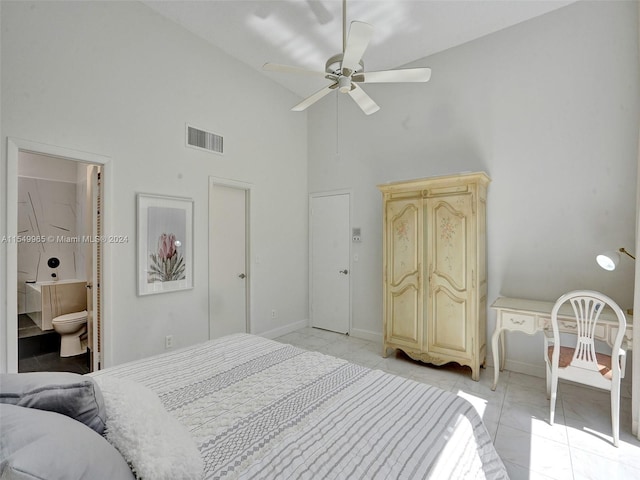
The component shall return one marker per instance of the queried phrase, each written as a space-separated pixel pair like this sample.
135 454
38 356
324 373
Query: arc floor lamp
609 260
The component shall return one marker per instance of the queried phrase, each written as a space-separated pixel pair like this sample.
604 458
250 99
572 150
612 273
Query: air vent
204 140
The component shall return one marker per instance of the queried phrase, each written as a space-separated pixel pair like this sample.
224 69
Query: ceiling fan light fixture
344 84
346 69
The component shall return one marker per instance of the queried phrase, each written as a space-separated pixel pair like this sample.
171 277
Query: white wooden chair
582 363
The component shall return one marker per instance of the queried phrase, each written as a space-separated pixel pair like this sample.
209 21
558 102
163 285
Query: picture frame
165 243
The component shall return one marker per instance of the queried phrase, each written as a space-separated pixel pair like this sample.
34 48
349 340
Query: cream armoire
435 274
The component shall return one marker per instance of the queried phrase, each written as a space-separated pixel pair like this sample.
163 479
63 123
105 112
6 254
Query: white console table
531 316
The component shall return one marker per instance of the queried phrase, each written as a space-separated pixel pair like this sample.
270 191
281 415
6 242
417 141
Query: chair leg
548 377
615 413
554 391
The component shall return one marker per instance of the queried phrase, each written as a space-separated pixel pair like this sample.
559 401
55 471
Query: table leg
502 350
496 356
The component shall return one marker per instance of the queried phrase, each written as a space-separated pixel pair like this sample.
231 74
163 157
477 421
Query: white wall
116 79
3 229
635 396
549 109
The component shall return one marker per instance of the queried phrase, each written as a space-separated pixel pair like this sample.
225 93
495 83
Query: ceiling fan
346 69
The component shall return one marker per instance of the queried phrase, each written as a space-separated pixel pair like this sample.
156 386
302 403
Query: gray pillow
70 394
36 444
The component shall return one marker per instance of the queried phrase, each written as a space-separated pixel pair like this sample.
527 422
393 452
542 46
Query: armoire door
450 249
403 251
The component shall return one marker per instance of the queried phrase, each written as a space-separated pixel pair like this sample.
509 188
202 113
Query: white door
227 260
329 244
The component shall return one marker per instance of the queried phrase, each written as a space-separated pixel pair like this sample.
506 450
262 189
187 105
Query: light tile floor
578 446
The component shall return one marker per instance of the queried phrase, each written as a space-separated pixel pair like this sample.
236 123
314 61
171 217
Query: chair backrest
587 307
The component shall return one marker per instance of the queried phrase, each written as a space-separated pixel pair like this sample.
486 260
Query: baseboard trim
289 328
366 335
521 367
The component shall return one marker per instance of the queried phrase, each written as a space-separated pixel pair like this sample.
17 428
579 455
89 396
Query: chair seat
566 355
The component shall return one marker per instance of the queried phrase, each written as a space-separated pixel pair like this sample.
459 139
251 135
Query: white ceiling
307 32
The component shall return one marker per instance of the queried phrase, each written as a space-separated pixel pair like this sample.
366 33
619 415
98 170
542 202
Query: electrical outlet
274 314
168 341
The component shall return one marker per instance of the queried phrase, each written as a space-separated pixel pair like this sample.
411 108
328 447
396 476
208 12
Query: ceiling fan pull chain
337 127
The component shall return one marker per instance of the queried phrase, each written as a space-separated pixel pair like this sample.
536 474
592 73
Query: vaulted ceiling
307 32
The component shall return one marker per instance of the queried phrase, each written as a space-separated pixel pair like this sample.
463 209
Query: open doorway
57 215
55 259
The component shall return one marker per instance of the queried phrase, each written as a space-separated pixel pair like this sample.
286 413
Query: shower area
56 261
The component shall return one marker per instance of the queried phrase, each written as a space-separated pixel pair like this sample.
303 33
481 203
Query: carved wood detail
436 224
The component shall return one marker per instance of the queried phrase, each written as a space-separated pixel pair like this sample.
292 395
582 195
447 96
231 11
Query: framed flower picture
165 243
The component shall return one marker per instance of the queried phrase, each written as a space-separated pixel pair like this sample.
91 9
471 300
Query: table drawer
518 321
614 331
570 326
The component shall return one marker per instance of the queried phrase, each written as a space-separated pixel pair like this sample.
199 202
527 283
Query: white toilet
71 326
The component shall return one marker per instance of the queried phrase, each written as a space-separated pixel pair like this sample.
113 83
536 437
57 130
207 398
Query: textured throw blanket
261 409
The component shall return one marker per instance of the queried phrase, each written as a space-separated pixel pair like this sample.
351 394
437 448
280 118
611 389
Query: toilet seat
70 317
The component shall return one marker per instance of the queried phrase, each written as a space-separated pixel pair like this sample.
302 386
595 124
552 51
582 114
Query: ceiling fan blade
359 37
401 75
323 15
363 100
276 67
307 102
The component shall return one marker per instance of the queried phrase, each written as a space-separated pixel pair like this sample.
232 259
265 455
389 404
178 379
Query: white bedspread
261 409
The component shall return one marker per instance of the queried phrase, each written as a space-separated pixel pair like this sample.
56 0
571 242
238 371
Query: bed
240 407
257 408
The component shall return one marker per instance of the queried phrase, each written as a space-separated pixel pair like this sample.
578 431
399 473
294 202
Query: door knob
345 271
242 275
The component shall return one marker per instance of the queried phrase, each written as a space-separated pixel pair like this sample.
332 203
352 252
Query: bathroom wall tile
47 209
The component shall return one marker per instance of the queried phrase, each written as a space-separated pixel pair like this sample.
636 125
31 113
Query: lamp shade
608 260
